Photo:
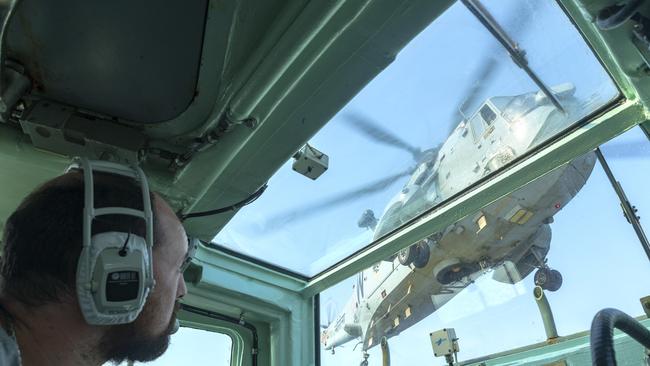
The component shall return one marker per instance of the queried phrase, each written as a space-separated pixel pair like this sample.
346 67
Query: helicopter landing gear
548 279
423 254
364 362
417 254
407 255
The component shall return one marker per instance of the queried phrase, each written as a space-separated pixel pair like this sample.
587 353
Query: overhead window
409 116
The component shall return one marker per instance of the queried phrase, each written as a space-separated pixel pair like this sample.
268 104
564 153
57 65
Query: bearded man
40 315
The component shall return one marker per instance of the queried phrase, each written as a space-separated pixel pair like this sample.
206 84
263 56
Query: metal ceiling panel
134 60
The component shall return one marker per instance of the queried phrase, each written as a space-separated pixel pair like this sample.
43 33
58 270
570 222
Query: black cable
233 207
614 16
122 251
229 319
602 335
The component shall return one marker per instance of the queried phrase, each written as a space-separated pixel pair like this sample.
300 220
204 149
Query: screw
250 123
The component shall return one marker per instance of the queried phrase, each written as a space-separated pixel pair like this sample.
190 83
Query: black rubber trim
602 335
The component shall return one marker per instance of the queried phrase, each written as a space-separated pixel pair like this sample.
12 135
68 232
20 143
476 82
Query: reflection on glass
563 232
452 109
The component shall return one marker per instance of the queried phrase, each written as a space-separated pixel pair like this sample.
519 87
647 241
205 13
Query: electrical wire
247 201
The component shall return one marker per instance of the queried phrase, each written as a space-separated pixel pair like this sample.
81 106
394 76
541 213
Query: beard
132 342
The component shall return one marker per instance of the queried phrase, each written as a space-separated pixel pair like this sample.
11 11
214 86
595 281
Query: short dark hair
43 238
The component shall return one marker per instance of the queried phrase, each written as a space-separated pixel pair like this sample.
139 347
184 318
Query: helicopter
510 237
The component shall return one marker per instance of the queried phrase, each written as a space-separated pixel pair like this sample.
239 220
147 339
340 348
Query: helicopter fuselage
509 237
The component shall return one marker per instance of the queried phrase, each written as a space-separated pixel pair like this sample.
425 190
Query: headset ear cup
114 278
115 269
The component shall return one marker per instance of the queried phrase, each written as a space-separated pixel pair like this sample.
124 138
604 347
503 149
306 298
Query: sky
416 98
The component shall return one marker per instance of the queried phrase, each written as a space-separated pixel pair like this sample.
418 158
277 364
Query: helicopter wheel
407 255
548 279
422 255
365 359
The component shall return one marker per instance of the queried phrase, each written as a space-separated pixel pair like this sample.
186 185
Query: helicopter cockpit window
454 73
488 114
477 125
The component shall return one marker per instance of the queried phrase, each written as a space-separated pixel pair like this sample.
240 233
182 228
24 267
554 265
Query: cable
602 335
233 207
122 251
614 16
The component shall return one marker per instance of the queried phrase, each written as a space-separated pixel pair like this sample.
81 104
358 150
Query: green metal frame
271 301
569 350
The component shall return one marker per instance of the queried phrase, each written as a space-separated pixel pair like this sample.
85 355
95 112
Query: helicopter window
205 348
413 108
477 126
488 114
493 309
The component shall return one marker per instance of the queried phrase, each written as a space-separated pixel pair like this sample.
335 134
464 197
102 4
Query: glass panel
403 144
195 347
478 276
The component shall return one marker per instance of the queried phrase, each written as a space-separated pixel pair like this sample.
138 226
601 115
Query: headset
115 269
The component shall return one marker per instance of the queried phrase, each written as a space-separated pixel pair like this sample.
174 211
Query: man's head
43 240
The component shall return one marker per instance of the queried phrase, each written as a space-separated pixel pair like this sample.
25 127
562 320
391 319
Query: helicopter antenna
518 55
460 110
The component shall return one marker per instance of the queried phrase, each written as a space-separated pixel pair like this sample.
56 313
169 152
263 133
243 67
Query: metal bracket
63 130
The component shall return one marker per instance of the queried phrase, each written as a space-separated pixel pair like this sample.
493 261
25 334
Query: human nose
182 288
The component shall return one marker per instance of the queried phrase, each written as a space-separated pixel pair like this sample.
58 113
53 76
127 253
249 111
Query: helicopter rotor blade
377 133
482 76
312 209
486 71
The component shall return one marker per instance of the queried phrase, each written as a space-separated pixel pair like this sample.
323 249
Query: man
41 320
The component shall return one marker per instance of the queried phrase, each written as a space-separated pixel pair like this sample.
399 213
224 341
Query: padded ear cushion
91 276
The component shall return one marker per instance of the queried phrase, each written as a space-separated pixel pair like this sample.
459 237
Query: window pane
403 144
464 281
195 347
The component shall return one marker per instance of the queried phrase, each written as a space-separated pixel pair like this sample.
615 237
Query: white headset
115 269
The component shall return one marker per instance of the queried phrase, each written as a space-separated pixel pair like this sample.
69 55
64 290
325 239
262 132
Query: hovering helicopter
511 236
